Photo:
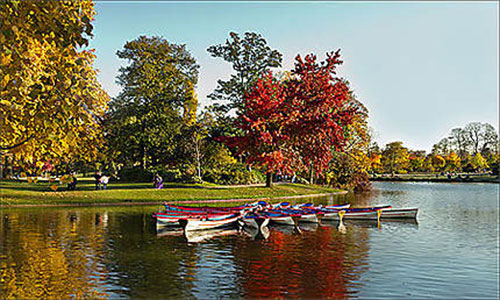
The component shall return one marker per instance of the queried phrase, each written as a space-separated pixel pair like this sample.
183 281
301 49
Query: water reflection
52 255
117 252
311 265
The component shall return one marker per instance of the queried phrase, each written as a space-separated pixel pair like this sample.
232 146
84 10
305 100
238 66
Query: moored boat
255 220
171 218
399 213
209 221
196 236
353 214
281 218
303 215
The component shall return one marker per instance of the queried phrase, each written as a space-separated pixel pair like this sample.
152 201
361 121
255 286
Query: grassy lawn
14 192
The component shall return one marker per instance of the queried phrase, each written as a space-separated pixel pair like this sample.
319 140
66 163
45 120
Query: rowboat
255 220
197 236
339 206
255 233
172 207
353 214
281 218
305 215
209 221
171 218
399 213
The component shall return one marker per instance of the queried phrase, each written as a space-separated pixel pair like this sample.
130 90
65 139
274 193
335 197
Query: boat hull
283 220
190 224
309 218
399 213
255 222
372 215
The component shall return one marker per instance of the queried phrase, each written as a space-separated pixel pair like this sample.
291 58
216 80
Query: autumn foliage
296 122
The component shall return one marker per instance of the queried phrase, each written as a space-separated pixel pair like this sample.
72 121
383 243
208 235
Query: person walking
97 177
72 183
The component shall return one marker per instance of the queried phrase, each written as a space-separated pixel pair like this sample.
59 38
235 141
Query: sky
421 68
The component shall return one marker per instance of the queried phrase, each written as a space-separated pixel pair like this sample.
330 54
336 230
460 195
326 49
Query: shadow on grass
89 185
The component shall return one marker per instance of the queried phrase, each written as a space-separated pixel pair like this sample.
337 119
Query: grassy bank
14 192
433 177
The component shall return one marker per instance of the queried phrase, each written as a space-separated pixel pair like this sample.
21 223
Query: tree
157 85
354 159
442 148
263 122
375 162
460 140
438 162
453 162
473 131
51 102
490 140
416 161
319 110
478 162
298 122
250 57
395 157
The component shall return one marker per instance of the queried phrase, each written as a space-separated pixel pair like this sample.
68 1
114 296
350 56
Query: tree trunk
269 180
144 157
311 174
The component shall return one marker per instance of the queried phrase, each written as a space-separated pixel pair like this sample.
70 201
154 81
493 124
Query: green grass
14 192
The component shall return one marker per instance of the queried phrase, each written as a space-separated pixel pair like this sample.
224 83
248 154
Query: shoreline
441 180
151 203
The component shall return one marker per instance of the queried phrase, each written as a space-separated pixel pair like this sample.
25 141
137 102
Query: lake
116 252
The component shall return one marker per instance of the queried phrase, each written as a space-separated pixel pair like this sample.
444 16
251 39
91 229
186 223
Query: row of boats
259 214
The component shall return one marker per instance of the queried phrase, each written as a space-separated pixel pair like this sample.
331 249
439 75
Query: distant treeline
470 149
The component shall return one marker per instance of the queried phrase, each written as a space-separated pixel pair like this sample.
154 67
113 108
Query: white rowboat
208 223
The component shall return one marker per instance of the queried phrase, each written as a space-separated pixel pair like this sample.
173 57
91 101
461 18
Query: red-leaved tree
319 110
263 121
296 123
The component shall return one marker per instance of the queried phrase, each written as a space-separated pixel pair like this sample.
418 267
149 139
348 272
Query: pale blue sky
420 68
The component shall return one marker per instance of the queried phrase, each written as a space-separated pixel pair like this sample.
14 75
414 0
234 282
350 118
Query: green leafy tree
147 115
250 56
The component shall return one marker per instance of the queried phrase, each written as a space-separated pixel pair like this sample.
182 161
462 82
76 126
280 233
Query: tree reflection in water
116 252
51 255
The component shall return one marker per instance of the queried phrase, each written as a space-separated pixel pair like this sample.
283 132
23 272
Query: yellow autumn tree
438 162
190 105
51 102
453 162
375 162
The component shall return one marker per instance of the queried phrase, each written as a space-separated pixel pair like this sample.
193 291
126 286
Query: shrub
234 174
135 175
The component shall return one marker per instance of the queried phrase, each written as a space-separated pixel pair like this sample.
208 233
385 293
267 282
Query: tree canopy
157 97
250 56
51 102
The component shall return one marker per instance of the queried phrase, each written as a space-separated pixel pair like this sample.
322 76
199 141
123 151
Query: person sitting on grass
157 181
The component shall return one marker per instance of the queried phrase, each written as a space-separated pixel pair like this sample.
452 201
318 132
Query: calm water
116 252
